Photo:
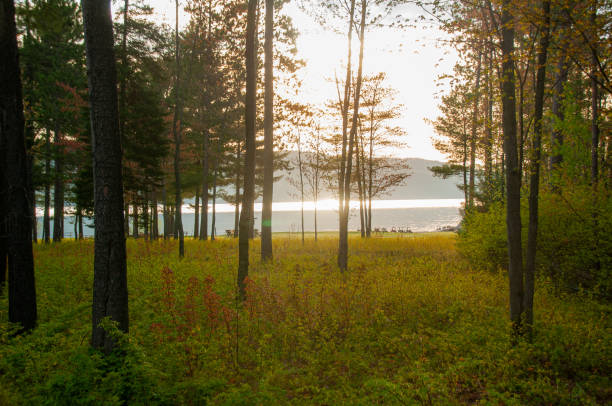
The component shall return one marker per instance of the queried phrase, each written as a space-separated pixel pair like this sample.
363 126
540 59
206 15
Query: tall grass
410 322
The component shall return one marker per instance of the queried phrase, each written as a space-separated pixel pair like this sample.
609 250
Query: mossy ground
410 322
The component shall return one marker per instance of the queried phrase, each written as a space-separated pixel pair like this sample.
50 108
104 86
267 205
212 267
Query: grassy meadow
409 323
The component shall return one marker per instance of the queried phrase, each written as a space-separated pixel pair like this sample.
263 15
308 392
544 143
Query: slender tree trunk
249 162
360 190
135 221
81 225
268 181
488 144
125 68
46 217
204 216
110 295
370 183
513 176
32 198
556 141
155 226
465 176
58 191
237 196
474 135
343 230
301 169
534 182
521 116
176 129
213 226
594 105
15 181
165 211
126 218
196 214
343 243
145 216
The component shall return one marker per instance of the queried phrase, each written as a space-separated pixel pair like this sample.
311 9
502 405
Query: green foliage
411 322
574 240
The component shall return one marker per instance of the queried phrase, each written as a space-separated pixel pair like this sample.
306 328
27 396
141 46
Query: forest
124 126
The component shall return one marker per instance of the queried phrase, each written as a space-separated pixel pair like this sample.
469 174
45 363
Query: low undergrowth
410 322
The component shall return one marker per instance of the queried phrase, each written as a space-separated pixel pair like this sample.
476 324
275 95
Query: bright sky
411 58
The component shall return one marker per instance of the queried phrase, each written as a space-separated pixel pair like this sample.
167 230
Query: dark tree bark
249 160
135 221
46 217
534 182
176 130
58 192
556 140
513 175
155 226
166 214
268 181
15 181
474 135
488 141
594 104
204 215
237 196
110 294
145 217
342 229
213 225
81 226
360 190
196 215
126 218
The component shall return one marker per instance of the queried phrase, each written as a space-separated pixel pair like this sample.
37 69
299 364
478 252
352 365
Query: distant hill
420 185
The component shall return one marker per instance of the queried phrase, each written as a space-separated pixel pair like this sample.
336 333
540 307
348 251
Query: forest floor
409 323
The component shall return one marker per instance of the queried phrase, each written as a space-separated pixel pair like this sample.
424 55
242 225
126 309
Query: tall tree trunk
370 183
534 182
110 295
474 134
268 181
176 129
237 196
145 216
126 218
513 175
204 215
343 244
594 103
135 221
488 142
32 198
15 181
360 189
196 214
342 229
165 211
213 226
125 68
81 225
249 161
301 170
556 140
465 175
46 217
58 191
155 226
